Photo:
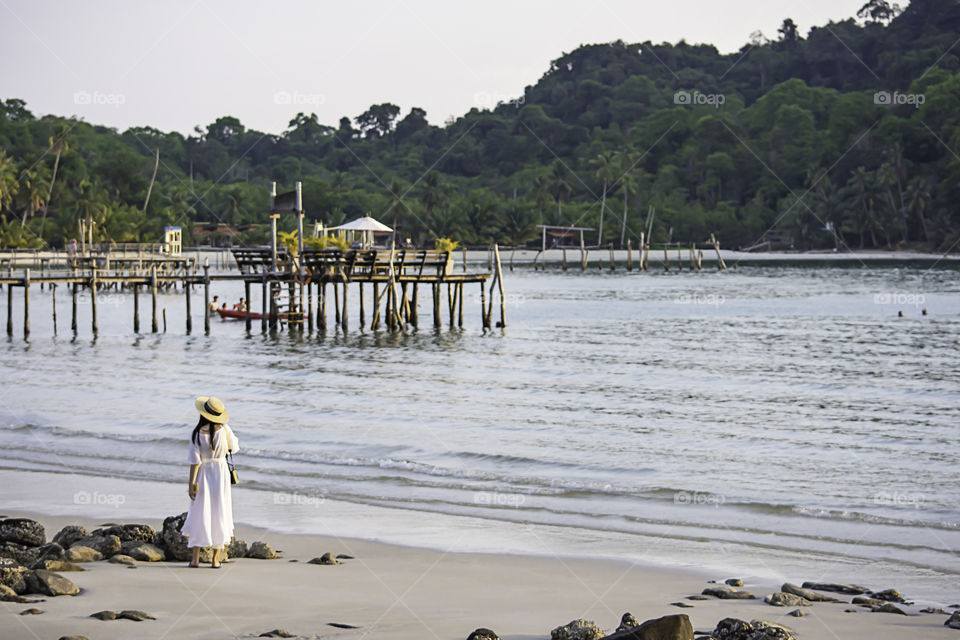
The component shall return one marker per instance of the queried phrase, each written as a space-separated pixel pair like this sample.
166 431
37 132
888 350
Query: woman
209 521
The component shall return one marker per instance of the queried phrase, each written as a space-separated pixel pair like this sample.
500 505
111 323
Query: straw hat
212 409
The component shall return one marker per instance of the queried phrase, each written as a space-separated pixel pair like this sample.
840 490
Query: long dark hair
203 422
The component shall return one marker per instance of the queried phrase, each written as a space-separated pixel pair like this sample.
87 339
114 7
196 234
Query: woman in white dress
209 521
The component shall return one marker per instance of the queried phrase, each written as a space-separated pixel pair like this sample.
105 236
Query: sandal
215 566
193 566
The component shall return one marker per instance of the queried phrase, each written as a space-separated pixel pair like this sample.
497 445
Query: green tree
604 165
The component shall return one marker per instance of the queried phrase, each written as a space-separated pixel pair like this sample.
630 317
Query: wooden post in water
26 303
206 300
186 293
375 319
322 307
136 308
336 305
414 318
264 305
679 260
363 311
483 305
699 260
404 302
464 258
613 264
343 313
246 299
460 303
629 256
308 310
564 259
53 293
436 305
666 259
451 302
153 295
10 309
73 315
164 319
93 299
503 310
721 265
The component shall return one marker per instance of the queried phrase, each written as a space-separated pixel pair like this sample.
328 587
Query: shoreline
405 593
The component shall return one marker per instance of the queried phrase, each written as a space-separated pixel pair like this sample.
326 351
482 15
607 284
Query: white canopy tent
366 226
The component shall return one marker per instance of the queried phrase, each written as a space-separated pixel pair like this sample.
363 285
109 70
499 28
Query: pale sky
177 64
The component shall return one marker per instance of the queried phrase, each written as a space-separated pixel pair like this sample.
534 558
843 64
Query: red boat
237 314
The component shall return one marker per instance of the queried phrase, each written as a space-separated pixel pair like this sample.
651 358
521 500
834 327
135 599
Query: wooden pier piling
363 311
629 257
414 316
94 323
26 303
9 309
186 294
73 303
136 308
206 301
153 299
53 294
247 303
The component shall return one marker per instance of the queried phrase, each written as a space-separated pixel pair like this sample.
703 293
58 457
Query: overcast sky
174 65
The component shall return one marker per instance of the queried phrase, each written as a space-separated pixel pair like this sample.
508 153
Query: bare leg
195 561
216 558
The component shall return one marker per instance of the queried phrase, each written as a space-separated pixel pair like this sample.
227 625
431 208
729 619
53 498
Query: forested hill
846 136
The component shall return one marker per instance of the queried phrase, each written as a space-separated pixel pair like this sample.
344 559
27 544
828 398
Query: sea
781 421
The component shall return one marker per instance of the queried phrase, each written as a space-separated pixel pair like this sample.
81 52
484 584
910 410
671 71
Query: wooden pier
295 288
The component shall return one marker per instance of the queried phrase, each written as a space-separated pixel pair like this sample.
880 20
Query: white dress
209 521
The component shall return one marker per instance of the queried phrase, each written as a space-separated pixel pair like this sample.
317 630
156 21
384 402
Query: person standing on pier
209 520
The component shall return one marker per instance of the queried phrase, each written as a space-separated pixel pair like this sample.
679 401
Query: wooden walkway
294 288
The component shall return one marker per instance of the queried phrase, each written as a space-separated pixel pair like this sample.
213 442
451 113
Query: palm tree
31 192
560 186
8 180
59 145
432 192
396 204
862 187
605 165
540 192
626 160
918 197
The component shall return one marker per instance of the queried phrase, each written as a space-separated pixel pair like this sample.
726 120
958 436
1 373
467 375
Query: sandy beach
395 592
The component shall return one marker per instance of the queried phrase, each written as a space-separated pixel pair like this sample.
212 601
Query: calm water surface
770 418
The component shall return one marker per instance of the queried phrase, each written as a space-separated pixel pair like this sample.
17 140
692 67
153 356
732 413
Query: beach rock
107 545
864 601
734 629
277 633
73 638
28 555
23 531
70 534
56 565
846 589
797 613
135 615
122 559
733 582
807 594
728 593
627 621
144 551
953 621
13 575
326 558
851 611
477 634
343 556
889 607
50 584
261 551
675 627
342 625
781 599
697 597
577 630
31 612
129 532
104 615
888 595
682 605
81 553
934 610
7 594
169 538
236 549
